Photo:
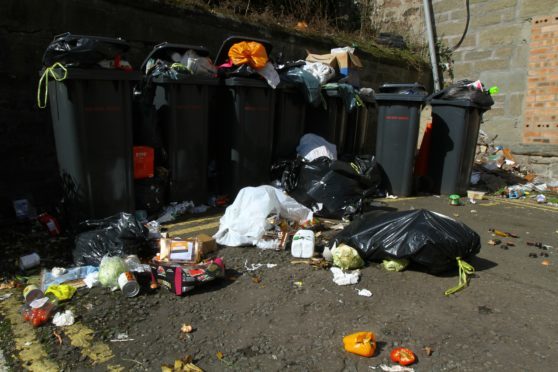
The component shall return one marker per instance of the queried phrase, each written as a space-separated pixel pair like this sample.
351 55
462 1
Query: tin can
30 261
128 284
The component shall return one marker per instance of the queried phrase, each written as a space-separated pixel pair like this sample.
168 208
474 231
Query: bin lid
396 97
83 49
458 103
223 54
246 82
402 87
166 49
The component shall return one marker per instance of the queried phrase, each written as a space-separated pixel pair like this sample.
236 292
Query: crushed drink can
128 284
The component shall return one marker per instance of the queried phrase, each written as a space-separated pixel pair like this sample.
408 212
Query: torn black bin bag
462 90
426 238
304 81
117 235
82 50
339 186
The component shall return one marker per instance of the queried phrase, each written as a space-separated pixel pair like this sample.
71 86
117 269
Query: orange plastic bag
248 52
360 343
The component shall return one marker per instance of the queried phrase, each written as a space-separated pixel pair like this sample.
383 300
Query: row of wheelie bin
219 134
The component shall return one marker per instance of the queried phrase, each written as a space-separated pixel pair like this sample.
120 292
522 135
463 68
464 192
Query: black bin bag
427 238
117 235
339 186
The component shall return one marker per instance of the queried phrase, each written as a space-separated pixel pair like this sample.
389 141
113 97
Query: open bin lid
223 54
166 49
83 49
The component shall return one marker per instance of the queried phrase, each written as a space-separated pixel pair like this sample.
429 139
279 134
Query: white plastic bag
312 146
269 73
320 71
244 220
198 65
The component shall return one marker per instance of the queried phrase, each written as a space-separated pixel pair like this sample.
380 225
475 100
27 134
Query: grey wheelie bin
290 114
244 130
92 121
399 107
455 129
183 115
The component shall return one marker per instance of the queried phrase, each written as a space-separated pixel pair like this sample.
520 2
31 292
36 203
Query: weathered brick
497 36
530 8
492 64
485 19
476 55
515 107
496 5
446 5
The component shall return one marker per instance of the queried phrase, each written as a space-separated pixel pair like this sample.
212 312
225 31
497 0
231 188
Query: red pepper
403 356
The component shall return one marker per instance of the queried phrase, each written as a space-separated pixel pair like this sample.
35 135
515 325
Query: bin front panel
187 138
290 113
454 136
95 153
329 123
398 124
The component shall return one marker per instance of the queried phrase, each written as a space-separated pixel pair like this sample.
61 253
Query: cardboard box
181 279
206 244
180 250
346 64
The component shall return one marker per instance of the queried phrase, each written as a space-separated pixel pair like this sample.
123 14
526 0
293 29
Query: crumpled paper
63 319
341 277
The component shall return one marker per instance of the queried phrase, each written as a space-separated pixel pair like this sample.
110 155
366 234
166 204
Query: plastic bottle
303 244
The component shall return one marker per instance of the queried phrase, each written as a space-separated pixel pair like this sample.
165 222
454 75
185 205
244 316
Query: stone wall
27 154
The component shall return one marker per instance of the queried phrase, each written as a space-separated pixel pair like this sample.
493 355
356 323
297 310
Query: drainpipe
431 43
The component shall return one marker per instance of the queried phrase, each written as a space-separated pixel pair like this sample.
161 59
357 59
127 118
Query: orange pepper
360 343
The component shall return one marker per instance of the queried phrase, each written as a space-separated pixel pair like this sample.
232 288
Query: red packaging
143 162
50 223
181 279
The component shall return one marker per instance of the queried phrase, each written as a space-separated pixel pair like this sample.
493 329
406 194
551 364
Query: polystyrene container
303 244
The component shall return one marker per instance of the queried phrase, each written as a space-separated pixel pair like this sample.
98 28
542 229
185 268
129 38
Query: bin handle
49 71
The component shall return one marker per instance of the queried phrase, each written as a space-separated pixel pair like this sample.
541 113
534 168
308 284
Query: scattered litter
403 356
92 279
66 318
327 255
268 244
58 337
339 226
298 284
388 196
428 350
72 275
494 241
62 292
360 343
396 368
5 296
545 263
254 267
316 262
503 234
175 210
346 257
472 201
28 343
541 199
122 337
12 284
38 303
58 271
186 328
364 292
395 264
474 211
345 278
200 209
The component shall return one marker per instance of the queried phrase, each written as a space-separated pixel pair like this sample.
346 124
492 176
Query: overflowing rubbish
62 292
174 210
110 269
69 276
303 244
360 343
182 279
254 267
312 147
396 368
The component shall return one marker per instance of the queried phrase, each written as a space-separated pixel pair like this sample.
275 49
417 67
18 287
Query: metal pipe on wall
431 44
